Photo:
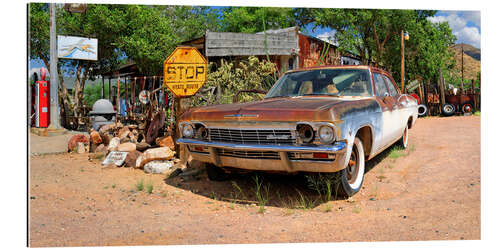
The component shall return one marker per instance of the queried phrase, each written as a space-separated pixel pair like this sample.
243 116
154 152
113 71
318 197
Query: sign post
184 73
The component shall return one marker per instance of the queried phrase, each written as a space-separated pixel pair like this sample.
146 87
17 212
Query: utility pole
402 62
462 82
54 83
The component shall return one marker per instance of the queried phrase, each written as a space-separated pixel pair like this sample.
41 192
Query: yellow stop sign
184 71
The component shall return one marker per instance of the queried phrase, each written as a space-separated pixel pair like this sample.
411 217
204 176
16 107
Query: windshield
335 82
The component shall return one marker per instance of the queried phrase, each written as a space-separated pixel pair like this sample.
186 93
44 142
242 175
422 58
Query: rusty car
328 119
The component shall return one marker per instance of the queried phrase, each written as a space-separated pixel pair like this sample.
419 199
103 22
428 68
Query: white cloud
458 24
469 16
469 35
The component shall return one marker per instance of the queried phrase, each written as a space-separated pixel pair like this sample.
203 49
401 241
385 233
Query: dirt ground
431 191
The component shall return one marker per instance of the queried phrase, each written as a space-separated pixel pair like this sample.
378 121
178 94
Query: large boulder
158 167
131 159
154 154
126 147
74 140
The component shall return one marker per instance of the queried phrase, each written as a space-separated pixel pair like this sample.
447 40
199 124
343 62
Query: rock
95 137
104 129
80 148
123 132
138 162
74 140
166 141
142 146
101 149
126 147
132 137
158 167
124 140
153 154
113 144
106 137
131 159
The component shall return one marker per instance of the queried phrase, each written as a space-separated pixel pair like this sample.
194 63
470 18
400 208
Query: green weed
139 186
261 192
396 152
240 191
149 187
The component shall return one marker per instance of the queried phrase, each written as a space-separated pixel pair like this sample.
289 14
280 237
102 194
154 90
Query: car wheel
215 173
467 108
352 176
422 110
403 142
448 109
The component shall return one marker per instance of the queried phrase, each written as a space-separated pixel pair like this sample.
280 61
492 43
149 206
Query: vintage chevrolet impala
325 119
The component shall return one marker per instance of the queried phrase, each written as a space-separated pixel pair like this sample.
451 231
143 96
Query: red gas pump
42 101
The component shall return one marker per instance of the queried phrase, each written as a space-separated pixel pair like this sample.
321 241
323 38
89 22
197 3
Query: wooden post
109 88
118 98
102 89
441 88
420 92
402 62
133 92
462 82
474 95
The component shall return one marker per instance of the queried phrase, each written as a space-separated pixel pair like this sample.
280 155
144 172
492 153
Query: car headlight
187 130
326 134
306 133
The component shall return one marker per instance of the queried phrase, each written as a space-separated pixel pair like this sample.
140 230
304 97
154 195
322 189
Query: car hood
273 109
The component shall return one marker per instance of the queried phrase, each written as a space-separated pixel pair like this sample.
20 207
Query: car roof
339 67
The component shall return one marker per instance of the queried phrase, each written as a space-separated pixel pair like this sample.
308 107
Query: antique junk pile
126 145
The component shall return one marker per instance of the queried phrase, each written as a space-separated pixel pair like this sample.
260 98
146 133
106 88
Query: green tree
374 35
256 19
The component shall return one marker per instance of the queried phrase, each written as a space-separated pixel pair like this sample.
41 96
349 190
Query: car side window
380 87
390 84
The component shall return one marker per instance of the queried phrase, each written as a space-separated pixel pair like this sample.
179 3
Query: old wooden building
288 48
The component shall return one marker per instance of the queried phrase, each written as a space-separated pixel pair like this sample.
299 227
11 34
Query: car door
386 102
398 107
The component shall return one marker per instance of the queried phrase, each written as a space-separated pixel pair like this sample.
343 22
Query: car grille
240 136
249 154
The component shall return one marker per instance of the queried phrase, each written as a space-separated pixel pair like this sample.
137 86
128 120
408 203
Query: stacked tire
422 110
448 109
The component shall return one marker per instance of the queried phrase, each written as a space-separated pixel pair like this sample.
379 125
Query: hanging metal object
144 97
155 126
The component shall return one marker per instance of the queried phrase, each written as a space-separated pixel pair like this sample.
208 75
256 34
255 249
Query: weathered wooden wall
310 52
242 44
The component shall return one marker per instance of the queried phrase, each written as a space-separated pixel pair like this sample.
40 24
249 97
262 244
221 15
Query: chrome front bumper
283 163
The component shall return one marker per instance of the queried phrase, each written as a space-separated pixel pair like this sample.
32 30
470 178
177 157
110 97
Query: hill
472 61
470 50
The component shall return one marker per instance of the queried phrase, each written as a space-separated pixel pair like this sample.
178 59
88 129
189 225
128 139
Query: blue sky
465 25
